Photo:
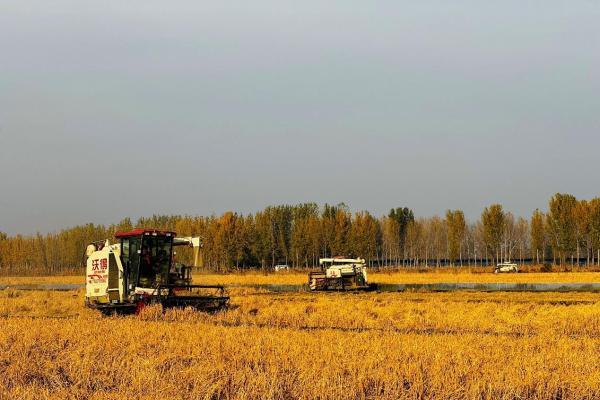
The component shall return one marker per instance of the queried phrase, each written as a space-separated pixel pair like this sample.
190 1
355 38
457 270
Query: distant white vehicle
506 267
282 267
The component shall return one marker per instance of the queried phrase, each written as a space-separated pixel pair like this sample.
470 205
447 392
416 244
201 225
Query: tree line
568 232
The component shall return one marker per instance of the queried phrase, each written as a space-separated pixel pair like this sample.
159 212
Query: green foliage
403 217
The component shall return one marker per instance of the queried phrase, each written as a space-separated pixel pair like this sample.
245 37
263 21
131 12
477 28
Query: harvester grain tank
340 273
139 269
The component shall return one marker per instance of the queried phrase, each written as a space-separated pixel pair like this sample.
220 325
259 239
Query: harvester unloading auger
139 270
340 273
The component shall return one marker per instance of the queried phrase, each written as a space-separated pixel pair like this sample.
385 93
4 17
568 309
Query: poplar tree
403 217
538 235
456 226
581 216
561 224
493 222
595 229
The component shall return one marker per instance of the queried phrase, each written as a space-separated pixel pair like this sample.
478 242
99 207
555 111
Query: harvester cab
139 269
339 273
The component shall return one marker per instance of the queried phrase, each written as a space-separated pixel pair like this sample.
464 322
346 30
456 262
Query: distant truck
281 267
339 273
506 267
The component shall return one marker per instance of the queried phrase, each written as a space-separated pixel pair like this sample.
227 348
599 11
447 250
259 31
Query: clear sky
126 108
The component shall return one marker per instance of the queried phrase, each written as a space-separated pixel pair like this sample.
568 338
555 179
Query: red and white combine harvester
139 269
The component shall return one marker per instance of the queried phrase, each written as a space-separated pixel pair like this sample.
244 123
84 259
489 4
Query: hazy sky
126 108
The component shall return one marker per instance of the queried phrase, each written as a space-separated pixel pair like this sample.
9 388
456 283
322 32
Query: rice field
462 345
399 277
444 276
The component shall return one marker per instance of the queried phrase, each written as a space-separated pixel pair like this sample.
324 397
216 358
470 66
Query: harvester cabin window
155 260
130 258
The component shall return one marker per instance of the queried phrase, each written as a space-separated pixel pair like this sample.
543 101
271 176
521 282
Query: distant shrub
547 267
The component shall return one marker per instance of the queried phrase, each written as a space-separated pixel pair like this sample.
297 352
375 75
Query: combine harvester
506 267
139 270
340 273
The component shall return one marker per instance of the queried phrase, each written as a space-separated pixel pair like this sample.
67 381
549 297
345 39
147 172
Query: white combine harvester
506 267
340 273
139 269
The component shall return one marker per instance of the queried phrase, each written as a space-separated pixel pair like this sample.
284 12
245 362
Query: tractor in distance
340 273
139 269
